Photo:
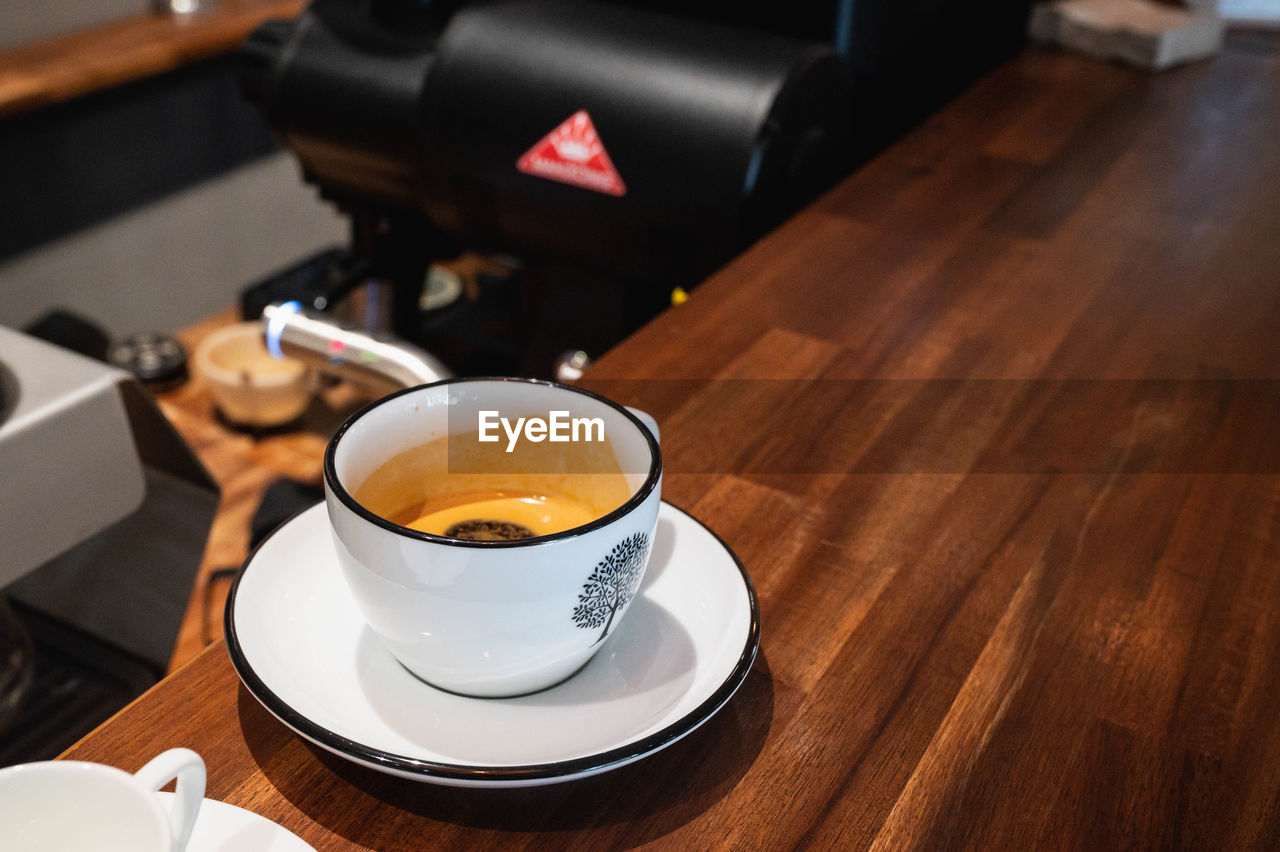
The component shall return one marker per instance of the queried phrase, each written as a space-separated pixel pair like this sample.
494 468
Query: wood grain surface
66 67
992 426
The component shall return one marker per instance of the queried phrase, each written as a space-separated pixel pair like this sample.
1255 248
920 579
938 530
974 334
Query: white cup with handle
494 618
69 806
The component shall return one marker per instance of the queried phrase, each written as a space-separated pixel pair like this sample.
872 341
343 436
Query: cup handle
187 767
648 421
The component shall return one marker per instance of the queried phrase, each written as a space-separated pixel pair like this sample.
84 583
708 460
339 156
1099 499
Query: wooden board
66 67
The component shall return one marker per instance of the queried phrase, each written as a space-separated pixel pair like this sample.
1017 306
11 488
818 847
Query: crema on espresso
460 487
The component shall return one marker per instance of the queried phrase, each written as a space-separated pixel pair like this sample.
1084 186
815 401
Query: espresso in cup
492 567
459 487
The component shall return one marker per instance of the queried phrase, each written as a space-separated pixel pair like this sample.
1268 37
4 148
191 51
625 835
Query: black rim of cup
642 493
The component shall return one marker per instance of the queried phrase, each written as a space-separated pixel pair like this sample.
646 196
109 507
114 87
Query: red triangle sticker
574 154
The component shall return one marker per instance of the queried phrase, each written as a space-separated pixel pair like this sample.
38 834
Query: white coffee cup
490 618
73 806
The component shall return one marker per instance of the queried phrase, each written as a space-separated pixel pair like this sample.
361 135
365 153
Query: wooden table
993 426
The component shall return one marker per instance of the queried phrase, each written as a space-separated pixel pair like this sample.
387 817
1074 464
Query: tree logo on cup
611 585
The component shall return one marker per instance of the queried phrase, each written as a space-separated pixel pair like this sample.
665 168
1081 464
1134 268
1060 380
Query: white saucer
303 650
221 827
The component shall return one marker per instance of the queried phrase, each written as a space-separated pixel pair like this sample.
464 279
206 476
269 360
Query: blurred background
140 191
511 186
143 191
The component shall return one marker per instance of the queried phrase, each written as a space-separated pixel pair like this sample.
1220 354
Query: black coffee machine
606 154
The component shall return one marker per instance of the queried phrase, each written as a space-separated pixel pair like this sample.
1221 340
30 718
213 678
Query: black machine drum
652 146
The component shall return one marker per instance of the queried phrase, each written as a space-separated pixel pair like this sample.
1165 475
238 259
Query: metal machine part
571 365
104 514
374 361
157 359
67 452
104 509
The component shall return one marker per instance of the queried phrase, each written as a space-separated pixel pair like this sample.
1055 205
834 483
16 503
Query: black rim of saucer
333 485
426 769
